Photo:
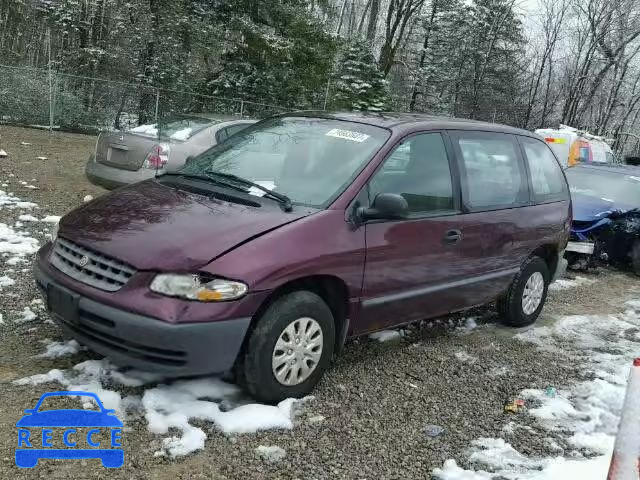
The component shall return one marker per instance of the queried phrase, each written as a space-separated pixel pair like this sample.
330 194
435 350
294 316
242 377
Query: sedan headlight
195 287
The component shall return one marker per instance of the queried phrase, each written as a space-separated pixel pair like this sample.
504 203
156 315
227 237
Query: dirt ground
376 399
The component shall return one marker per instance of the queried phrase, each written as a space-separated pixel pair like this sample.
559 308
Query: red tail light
157 157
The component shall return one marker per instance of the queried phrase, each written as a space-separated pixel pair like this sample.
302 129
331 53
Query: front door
412 266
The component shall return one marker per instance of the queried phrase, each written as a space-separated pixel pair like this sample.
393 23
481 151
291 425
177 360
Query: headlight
194 287
54 231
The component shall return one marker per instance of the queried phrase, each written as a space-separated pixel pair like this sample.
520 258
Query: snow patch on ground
51 218
271 454
465 357
586 414
28 218
26 315
171 407
387 335
566 283
61 349
6 282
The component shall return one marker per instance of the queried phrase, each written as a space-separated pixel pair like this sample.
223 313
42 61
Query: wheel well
331 289
549 253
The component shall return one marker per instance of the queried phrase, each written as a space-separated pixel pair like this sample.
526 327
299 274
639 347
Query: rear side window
492 172
547 180
418 169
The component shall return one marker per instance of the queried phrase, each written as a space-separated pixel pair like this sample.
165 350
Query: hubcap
297 351
532 294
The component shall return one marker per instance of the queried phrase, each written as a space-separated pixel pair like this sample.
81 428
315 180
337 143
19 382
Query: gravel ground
376 399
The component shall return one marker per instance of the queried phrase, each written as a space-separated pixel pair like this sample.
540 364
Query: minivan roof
411 121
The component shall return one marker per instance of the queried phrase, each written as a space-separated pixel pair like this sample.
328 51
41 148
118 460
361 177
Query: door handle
452 236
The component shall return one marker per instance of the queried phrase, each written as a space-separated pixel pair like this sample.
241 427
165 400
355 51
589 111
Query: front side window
418 169
493 176
547 179
310 160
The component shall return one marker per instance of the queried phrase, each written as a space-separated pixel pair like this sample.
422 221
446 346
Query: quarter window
547 179
418 169
493 174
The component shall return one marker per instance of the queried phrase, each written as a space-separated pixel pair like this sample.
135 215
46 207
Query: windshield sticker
263 183
347 135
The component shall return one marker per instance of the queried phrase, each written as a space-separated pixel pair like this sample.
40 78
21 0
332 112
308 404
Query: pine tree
358 83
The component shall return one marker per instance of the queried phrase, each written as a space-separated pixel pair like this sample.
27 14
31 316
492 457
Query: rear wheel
524 300
290 347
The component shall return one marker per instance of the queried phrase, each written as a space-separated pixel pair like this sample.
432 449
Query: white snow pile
6 281
26 315
466 325
465 357
18 244
271 454
172 406
9 200
15 244
61 349
28 218
586 414
566 283
51 218
387 335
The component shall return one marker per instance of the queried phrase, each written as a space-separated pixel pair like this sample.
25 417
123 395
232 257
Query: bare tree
399 13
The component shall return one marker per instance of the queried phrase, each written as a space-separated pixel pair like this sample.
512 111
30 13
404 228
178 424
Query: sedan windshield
310 160
609 186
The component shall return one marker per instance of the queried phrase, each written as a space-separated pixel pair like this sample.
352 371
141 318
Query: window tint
546 175
418 169
493 174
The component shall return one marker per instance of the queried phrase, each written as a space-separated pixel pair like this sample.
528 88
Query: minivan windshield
310 160
608 186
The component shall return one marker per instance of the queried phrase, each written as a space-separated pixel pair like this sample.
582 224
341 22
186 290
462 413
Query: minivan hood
154 227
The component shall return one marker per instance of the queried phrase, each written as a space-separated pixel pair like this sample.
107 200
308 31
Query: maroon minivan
263 254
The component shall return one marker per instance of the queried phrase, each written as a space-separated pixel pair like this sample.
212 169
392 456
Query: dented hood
154 227
587 208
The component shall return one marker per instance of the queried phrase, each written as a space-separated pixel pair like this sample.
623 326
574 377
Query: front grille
89 267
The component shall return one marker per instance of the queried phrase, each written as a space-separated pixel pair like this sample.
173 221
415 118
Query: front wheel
524 300
290 347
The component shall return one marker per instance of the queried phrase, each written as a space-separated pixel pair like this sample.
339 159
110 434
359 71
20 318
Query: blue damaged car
606 216
32 446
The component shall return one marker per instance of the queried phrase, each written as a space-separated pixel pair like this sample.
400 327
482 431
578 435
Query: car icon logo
69 433
84 261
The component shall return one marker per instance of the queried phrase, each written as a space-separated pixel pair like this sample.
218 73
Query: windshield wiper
207 178
279 197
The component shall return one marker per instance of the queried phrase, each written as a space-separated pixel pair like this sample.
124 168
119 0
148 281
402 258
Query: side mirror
188 160
386 206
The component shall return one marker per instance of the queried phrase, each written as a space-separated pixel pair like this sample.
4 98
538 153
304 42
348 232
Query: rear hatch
128 150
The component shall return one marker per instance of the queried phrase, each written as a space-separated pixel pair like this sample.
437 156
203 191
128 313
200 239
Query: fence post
241 108
326 95
157 105
50 81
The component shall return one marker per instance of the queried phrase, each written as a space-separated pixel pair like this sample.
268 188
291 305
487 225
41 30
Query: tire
510 306
635 257
257 369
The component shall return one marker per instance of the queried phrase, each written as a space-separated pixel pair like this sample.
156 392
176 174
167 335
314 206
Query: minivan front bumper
130 339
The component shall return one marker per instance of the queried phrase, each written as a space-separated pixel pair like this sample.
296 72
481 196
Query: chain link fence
48 99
